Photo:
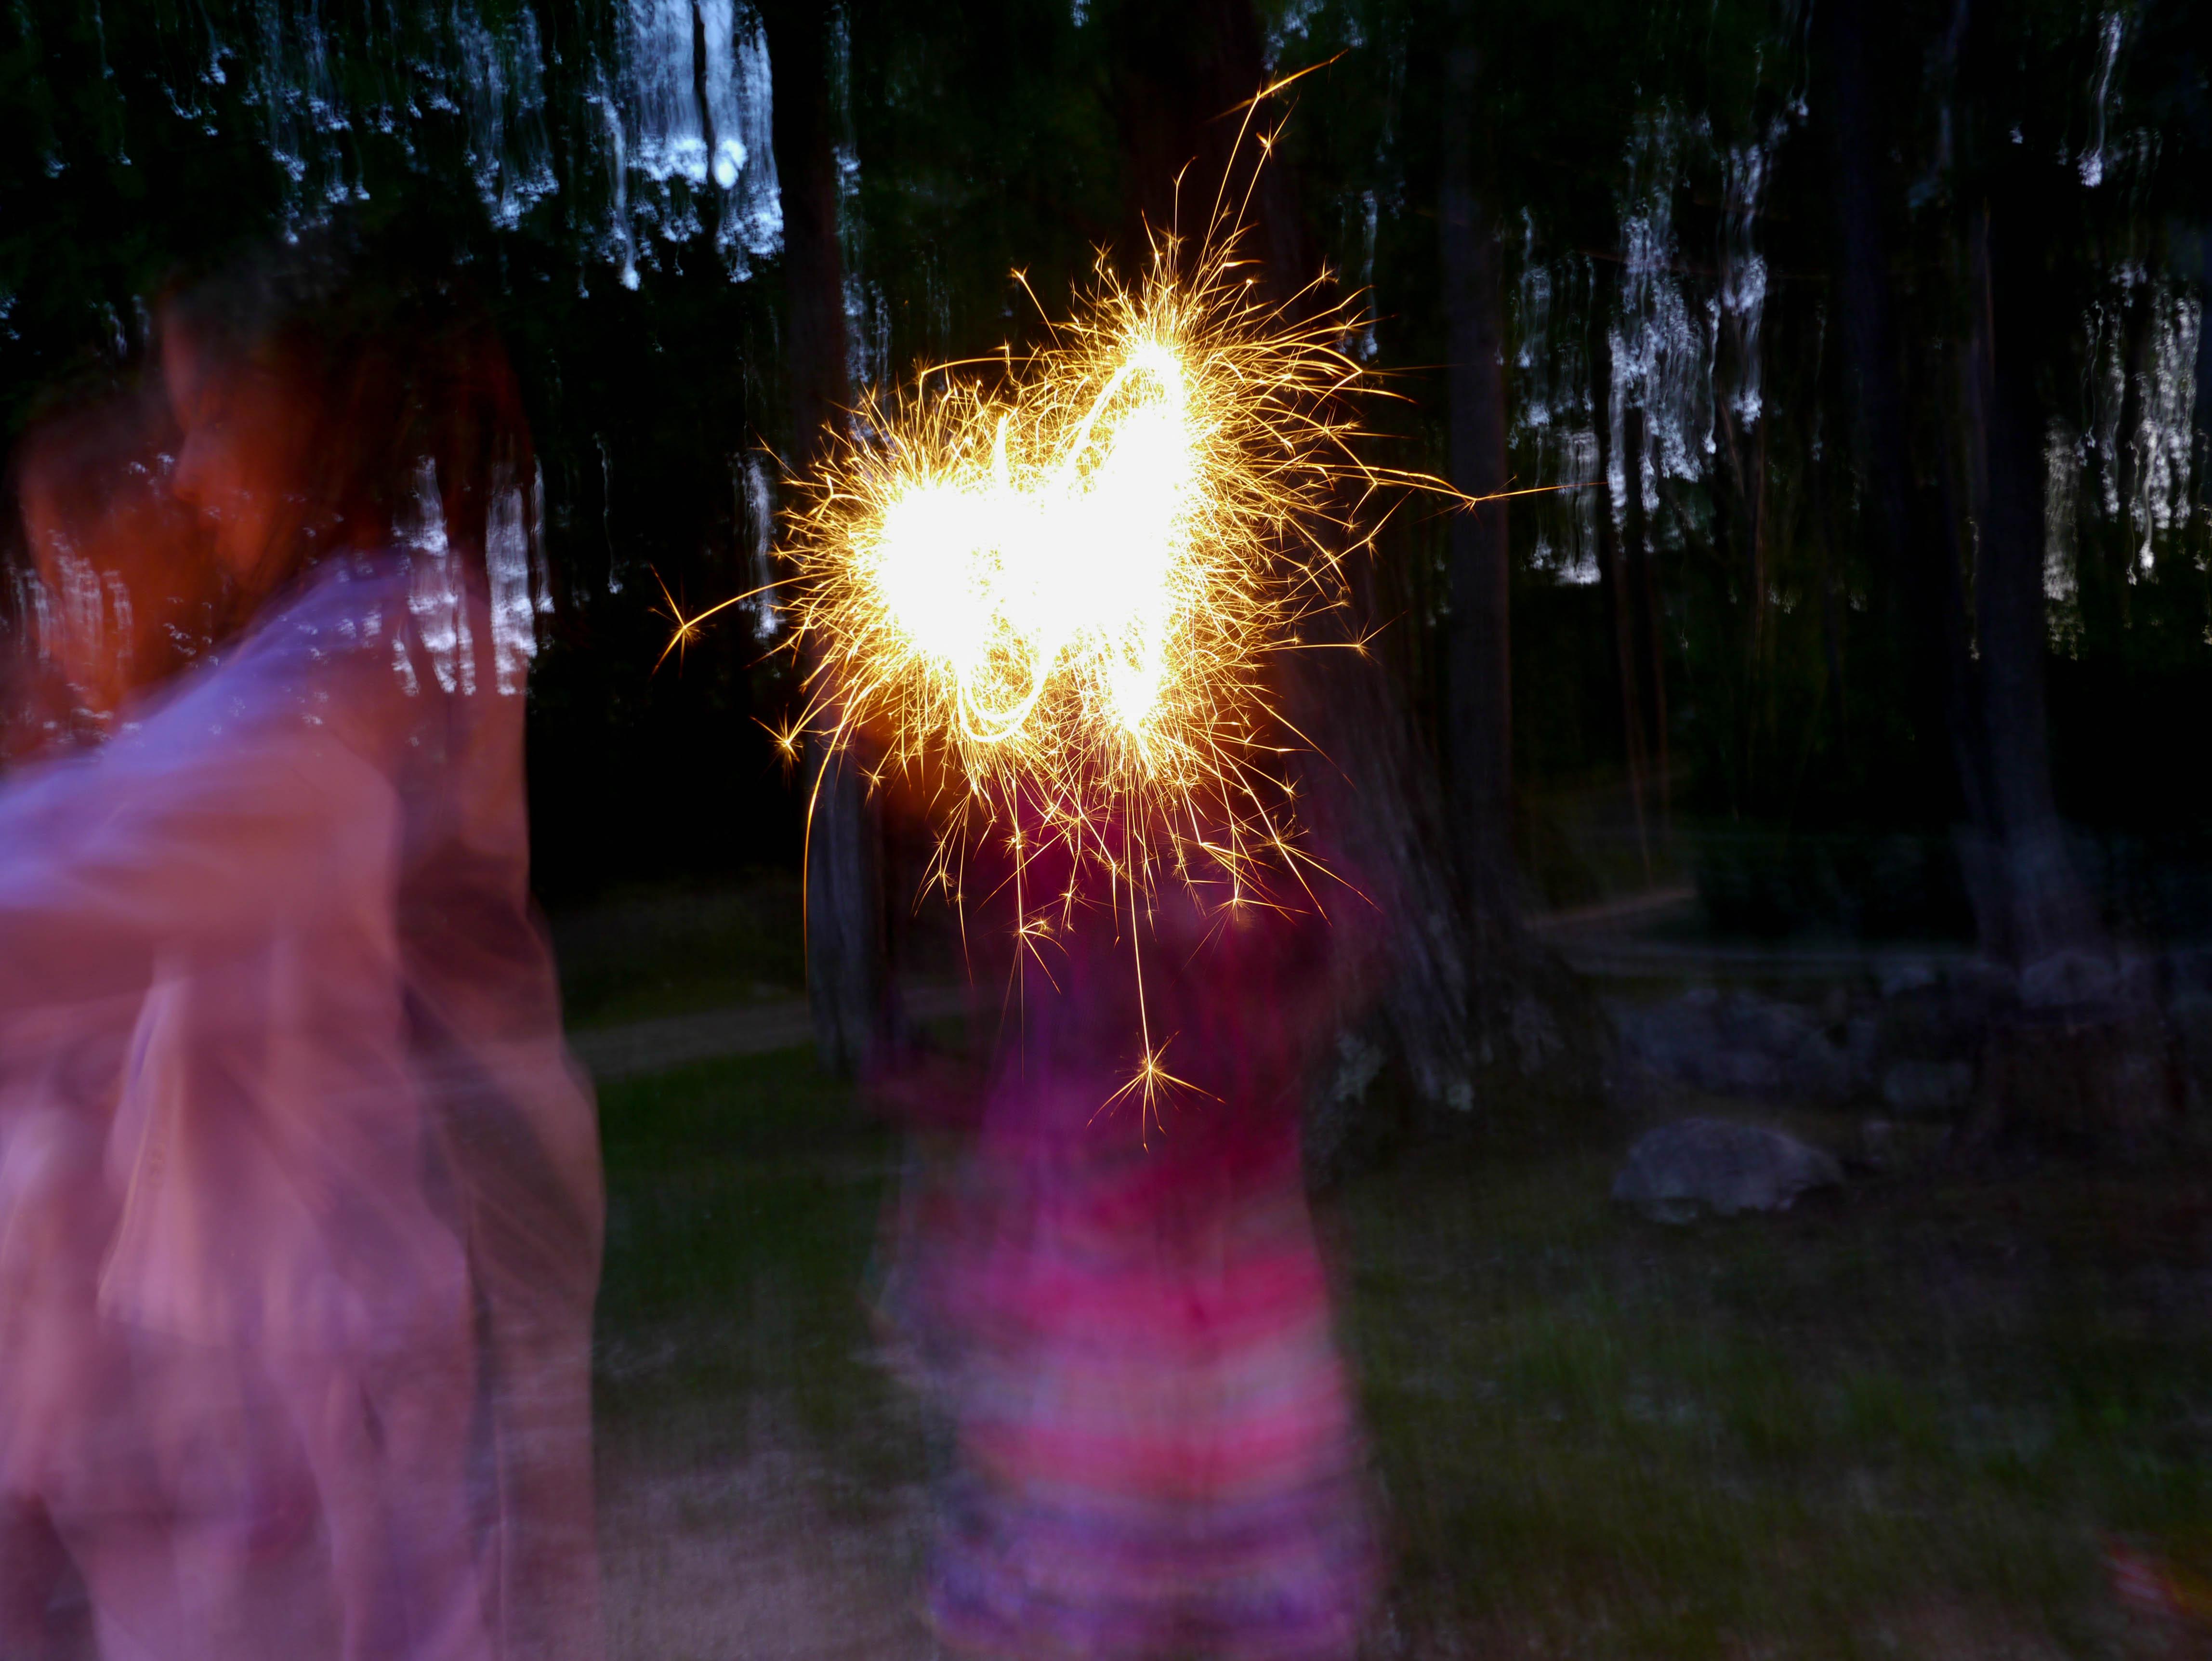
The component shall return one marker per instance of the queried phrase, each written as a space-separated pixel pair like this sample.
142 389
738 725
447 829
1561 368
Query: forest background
1850 688
1863 341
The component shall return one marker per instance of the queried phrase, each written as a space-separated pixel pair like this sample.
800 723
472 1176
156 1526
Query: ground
762 1478
1916 1418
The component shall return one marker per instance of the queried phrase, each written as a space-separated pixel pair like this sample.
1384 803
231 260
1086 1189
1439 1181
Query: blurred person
119 591
1157 1454
354 1165
111 581
99 1423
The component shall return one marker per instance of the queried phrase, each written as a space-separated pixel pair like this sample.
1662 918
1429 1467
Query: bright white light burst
1056 597
1057 593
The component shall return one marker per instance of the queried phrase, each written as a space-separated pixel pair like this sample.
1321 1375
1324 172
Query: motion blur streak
299 1203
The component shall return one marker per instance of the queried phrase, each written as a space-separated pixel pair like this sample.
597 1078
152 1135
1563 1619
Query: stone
1336 1108
1903 976
1741 1044
1719 1166
2068 980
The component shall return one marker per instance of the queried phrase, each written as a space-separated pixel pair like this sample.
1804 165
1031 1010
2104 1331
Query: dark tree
1371 791
845 955
1478 663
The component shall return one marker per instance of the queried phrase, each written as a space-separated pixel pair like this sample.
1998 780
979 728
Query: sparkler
1071 586
1063 591
1058 594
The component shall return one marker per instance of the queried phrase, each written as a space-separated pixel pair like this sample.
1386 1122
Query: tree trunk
2048 912
1824 498
1613 572
1478 725
1371 794
1919 586
2079 1057
2068 1056
1739 539
1642 642
1523 1003
1373 800
846 978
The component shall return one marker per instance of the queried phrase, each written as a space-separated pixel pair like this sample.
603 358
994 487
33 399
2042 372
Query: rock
1900 975
1718 1165
2067 979
1741 1044
1336 1113
1824 1071
1927 1090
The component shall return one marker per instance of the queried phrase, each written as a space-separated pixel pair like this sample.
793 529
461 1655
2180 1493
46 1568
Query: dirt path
755 1556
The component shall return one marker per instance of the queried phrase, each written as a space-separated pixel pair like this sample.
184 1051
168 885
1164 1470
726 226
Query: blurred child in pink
1157 1453
354 1174
106 1431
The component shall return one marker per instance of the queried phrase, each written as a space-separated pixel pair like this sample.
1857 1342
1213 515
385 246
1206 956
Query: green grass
675 949
1808 1435
743 1197
1903 1422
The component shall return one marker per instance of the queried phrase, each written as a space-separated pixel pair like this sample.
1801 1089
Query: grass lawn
673 949
744 1201
1904 1421
761 1480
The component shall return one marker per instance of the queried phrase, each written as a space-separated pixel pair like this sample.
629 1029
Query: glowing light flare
1059 596
1068 556
1069 582
1065 590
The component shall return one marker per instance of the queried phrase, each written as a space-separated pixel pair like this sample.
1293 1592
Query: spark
1066 587
1071 584
1061 586
687 627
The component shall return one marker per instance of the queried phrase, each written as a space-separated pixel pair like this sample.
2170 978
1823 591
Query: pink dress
1158 1447
351 1177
